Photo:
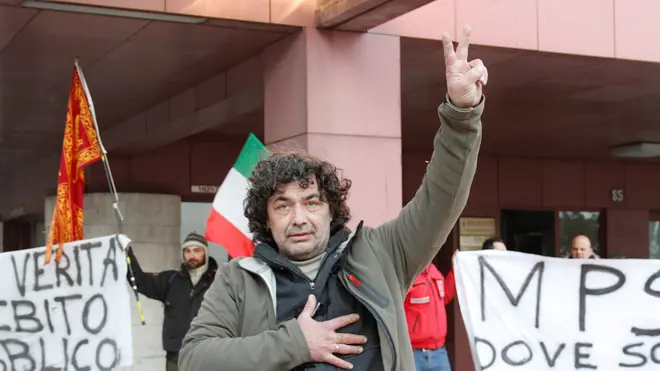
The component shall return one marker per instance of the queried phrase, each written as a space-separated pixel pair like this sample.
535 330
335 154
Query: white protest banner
528 312
71 315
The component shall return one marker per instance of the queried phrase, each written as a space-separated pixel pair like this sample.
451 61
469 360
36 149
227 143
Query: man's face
499 246
299 221
194 256
581 248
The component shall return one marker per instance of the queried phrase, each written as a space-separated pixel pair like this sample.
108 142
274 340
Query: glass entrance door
574 223
654 236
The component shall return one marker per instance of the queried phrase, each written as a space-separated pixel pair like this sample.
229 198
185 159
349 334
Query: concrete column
337 96
152 222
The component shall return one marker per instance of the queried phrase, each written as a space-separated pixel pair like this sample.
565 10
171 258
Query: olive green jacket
236 327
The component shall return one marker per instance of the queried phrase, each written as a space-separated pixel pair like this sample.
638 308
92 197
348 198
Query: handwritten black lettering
19 319
579 355
116 356
111 260
493 358
44 365
65 348
628 350
648 288
76 257
38 272
87 247
4 327
538 267
33 320
85 315
521 362
24 354
553 360
584 290
74 356
59 271
20 281
48 319
655 357
62 300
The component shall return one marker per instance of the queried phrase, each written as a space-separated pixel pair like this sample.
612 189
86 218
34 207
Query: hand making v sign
465 80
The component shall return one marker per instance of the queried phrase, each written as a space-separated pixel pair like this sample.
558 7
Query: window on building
573 223
193 218
654 239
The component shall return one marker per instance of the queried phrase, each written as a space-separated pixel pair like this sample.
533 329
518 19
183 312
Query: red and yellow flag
79 149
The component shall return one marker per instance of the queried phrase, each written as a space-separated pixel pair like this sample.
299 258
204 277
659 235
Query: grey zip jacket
236 329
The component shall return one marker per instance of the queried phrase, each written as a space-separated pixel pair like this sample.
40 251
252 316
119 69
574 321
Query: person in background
181 291
581 248
427 317
493 244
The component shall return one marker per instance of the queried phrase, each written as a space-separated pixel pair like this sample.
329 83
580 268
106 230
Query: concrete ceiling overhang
361 15
172 78
538 104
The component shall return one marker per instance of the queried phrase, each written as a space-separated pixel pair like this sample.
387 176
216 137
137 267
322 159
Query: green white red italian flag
227 226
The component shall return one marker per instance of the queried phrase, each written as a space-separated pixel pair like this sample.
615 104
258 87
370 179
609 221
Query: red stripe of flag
219 230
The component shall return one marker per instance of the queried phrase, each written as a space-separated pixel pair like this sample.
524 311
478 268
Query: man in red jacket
427 318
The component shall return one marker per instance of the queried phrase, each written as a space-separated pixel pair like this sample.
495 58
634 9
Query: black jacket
181 300
294 287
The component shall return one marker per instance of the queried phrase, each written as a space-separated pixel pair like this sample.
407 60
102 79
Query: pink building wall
625 29
336 95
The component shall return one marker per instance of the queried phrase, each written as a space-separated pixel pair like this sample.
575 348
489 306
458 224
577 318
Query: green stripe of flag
253 151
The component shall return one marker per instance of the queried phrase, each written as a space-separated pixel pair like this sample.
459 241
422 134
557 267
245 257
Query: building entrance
527 231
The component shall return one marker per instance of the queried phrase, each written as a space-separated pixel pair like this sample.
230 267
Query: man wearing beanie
181 291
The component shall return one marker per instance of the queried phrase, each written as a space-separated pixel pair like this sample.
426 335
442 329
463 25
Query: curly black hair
280 169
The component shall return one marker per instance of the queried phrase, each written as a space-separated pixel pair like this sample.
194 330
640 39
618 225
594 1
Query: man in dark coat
181 291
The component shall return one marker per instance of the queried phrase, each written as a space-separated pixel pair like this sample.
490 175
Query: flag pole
111 186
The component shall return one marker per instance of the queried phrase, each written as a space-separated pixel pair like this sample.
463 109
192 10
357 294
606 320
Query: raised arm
151 285
416 235
214 343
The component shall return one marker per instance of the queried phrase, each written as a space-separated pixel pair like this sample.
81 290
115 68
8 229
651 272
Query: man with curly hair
317 295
